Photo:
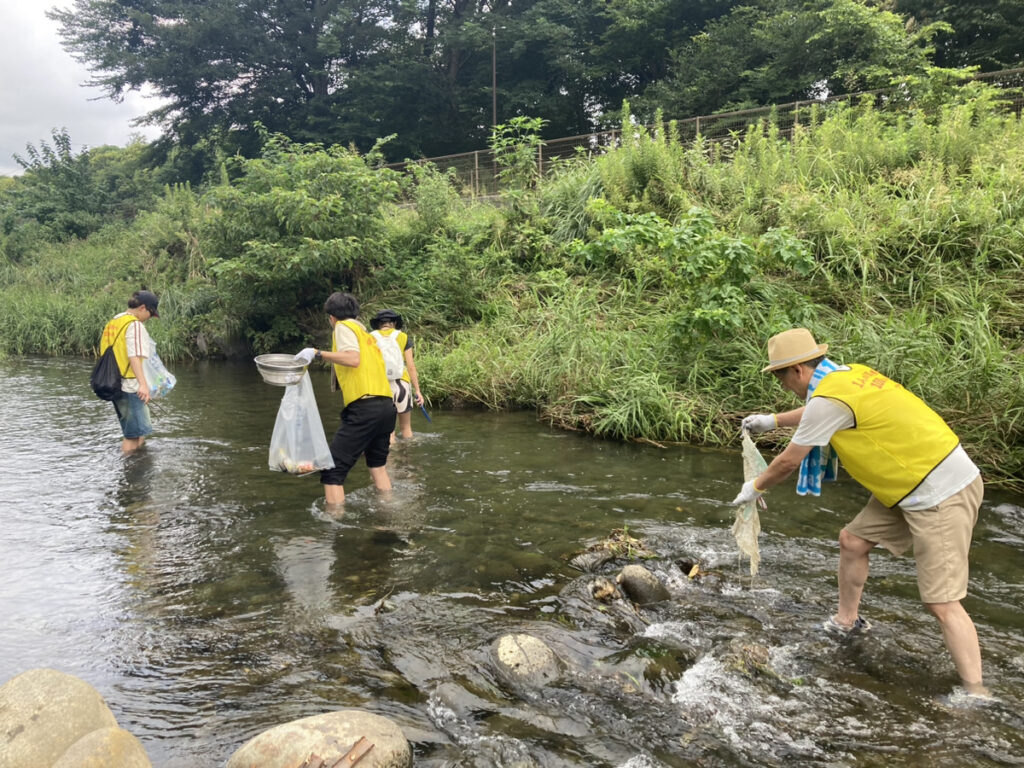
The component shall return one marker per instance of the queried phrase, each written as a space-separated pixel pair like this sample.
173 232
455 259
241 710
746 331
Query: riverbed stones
329 736
525 660
44 712
641 586
105 748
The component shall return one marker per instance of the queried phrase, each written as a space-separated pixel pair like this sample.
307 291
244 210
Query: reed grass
631 295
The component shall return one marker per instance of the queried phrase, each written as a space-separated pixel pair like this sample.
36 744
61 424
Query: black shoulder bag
106 376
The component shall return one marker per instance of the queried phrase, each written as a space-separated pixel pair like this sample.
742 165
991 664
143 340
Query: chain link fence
477 171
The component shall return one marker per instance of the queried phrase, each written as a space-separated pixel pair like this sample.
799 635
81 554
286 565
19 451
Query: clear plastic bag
160 380
298 445
747 526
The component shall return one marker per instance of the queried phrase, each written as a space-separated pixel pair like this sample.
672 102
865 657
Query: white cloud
41 89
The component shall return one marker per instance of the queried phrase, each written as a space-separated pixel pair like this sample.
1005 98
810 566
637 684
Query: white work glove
756 423
747 494
305 356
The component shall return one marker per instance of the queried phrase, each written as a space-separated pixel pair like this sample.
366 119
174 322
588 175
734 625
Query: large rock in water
524 660
105 748
329 736
42 713
641 585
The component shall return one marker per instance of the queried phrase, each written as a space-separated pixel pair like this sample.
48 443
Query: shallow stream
208 599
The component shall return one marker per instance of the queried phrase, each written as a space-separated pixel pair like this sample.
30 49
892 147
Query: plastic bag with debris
298 445
160 380
747 526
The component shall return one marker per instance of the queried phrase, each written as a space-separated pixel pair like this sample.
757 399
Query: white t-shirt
344 337
138 343
823 417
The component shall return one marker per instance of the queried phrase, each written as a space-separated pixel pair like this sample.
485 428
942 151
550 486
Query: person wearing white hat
925 490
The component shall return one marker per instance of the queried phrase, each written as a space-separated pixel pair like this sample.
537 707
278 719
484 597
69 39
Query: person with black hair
368 411
127 334
405 389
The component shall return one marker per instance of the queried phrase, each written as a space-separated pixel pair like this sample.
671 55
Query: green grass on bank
630 295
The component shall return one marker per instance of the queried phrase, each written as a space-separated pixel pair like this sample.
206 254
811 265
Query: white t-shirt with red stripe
138 344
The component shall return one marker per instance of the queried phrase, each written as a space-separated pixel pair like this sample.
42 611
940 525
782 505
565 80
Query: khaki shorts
940 536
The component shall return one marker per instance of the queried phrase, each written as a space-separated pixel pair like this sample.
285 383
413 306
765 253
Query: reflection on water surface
209 599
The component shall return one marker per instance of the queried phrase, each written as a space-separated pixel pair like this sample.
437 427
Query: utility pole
494 76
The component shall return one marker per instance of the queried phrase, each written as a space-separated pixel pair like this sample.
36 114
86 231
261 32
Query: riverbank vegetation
629 294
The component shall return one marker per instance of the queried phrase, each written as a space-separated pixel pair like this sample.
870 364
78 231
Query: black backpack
106 376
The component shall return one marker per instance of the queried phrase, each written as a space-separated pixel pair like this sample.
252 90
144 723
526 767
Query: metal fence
477 171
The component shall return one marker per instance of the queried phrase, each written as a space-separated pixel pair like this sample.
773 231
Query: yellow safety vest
111 332
401 339
369 378
896 439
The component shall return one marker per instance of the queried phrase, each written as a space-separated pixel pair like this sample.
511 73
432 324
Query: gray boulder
43 712
329 736
641 586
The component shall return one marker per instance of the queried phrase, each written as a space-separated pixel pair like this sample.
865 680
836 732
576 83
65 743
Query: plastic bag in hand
747 526
298 445
160 380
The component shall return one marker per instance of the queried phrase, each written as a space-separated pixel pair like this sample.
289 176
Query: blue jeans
133 415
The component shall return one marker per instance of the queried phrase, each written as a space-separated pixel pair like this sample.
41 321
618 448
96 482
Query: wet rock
641 586
604 589
105 748
690 569
749 657
524 660
695 572
662 672
328 736
462 702
754 661
618 545
43 712
597 603
590 560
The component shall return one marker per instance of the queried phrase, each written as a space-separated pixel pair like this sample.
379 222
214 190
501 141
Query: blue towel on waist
821 463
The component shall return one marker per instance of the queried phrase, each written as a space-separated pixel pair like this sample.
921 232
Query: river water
208 599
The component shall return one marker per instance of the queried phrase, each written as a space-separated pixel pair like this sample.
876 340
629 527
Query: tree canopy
438 74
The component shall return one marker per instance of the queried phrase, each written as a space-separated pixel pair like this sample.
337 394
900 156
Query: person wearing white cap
925 490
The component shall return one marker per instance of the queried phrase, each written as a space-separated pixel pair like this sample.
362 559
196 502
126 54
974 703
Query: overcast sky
41 89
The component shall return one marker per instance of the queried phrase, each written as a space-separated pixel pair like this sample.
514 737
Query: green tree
783 51
983 33
62 195
299 222
227 64
440 75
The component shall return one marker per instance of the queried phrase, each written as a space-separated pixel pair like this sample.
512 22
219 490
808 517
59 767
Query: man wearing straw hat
925 490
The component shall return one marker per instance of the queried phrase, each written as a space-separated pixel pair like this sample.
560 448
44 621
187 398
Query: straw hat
792 347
